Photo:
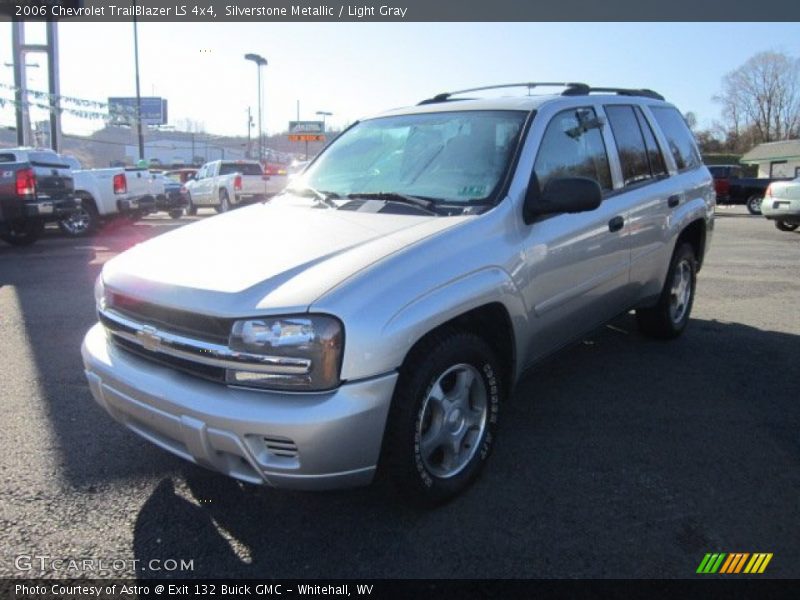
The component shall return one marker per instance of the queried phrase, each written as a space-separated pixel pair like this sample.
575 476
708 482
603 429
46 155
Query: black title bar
244 11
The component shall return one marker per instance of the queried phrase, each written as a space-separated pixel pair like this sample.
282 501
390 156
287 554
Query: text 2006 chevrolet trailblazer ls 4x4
376 316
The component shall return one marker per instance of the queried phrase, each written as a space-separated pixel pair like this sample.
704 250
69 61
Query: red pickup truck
732 188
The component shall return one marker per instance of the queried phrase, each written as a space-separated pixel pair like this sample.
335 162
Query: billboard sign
123 110
306 127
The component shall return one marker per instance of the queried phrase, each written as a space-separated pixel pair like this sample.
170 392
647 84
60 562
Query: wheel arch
87 197
694 234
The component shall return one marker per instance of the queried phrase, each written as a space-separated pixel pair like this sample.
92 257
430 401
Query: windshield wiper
323 198
418 202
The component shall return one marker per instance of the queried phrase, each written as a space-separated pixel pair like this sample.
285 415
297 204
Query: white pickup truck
226 184
106 193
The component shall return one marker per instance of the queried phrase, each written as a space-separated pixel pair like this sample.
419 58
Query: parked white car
225 184
107 193
782 204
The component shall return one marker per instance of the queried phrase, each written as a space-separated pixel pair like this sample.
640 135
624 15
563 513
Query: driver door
577 265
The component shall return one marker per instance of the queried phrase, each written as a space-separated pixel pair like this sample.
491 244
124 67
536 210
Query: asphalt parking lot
619 457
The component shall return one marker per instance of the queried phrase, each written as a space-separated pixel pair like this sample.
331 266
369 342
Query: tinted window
243 168
718 172
657 165
680 139
573 147
7 158
630 144
46 158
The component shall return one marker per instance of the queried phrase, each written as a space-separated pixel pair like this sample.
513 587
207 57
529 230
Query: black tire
669 317
224 202
176 214
784 226
754 204
191 209
83 222
23 233
403 462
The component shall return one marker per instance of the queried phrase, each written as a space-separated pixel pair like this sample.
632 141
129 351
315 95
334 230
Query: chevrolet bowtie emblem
149 339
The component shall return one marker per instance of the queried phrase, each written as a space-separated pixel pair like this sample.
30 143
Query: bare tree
762 98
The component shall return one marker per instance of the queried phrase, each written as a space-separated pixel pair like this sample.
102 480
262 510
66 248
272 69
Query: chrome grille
201 327
202 358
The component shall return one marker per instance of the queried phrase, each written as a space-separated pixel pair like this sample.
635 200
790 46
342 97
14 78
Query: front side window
573 146
458 157
680 139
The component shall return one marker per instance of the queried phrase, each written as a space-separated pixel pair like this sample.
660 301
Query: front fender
427 312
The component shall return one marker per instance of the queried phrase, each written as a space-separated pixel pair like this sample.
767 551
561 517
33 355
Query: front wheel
176 214
23 233
443 420
668 318
754 204
784 226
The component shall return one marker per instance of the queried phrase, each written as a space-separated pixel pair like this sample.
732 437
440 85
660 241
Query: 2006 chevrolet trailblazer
375 316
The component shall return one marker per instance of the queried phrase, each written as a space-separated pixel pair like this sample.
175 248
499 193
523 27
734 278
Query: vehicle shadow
614 448
49 305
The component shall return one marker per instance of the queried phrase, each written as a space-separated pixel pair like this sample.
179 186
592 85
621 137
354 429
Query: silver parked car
782 204
377 315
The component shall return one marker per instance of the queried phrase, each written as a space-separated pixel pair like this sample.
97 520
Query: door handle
616 223
673 201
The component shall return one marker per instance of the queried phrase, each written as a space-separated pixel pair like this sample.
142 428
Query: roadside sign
301 127
154 110
305 137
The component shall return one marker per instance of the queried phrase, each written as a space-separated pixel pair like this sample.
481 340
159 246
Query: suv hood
264 258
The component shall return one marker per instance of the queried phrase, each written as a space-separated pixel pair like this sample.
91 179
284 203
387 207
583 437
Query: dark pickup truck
732 188
35 187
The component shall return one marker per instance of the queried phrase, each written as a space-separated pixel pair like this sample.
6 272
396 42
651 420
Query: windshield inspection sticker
476 191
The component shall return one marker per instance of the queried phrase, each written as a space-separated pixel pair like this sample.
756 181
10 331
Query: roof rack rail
619 91
574 88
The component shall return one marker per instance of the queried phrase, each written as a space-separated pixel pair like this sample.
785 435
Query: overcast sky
356 69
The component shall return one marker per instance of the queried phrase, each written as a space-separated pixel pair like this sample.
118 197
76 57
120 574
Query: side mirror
562 195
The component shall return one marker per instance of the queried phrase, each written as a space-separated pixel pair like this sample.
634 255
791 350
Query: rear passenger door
650 193
687 183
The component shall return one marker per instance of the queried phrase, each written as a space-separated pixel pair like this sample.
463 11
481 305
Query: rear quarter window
243 168
680 139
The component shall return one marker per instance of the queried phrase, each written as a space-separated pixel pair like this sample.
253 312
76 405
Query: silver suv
376 316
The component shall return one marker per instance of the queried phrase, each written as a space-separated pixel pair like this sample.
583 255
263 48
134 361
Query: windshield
453 157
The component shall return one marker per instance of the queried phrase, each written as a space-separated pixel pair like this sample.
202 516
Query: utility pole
249 127
138 91
54 85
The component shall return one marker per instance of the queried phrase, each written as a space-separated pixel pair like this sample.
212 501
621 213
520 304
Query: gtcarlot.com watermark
42 563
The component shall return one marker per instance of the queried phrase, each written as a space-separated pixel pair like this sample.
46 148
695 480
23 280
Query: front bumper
290 440
172 201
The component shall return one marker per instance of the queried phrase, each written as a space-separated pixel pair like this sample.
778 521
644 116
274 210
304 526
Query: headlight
304 352
99 293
